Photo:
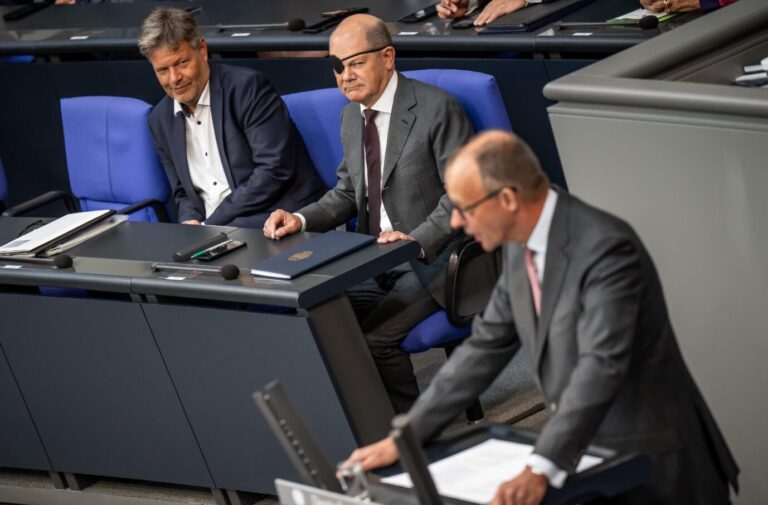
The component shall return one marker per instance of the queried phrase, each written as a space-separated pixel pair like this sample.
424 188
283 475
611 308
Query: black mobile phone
420 15
220 250
463 24
347 11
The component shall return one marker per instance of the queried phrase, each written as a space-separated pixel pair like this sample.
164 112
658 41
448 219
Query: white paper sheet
474 475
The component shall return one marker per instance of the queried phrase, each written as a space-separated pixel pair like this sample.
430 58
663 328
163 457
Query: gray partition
20 445
659 136
98 390
217 359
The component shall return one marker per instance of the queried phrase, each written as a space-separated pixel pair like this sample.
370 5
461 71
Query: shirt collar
387 98
205 99
537 242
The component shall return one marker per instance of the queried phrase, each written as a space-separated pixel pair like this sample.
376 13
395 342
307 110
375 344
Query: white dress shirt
383 107
203 159
537 243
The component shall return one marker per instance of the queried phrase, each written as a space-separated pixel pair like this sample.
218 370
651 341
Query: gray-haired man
229 147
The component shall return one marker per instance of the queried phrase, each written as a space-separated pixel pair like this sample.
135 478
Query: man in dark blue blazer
229 147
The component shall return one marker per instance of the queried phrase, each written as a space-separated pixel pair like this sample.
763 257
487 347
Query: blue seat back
317 113
111 159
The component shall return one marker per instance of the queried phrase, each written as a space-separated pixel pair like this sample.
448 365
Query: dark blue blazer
263 154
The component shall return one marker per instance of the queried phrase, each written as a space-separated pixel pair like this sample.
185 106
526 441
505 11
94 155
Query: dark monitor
301 447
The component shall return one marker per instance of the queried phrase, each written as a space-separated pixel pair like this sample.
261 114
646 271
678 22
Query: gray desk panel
20 445
98 389
217 359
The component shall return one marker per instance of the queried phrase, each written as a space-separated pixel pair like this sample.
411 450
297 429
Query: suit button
553 407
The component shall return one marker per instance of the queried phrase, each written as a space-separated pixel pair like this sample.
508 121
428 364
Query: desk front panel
20 445
218 358
98 390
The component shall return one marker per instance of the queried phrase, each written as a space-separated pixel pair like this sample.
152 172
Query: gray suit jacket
426 126
603 353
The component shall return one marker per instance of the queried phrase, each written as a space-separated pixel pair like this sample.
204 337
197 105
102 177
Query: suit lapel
554 271
400 125
179 148
217 112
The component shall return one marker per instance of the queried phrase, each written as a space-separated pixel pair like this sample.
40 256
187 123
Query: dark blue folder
311 254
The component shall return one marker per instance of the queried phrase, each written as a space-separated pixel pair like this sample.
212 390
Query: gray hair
167 27
505 160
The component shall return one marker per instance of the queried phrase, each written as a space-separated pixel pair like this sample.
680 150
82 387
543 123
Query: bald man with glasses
397 135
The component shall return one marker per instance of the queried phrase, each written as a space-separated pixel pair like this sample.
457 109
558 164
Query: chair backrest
111 160
317 113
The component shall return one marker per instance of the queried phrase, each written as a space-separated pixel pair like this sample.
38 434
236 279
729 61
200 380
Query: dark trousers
387 308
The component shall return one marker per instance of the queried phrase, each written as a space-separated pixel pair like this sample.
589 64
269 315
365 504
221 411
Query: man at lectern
581 294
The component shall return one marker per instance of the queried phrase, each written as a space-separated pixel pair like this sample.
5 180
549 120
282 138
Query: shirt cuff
302 219
544 466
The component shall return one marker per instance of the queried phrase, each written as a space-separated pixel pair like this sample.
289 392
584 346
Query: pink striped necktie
533 278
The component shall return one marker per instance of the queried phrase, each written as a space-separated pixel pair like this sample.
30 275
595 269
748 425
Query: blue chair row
111 160
317 115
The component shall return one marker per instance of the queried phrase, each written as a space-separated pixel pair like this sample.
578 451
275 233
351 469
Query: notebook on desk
65 227
311 254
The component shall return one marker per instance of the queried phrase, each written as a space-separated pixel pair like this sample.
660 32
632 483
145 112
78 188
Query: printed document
474 474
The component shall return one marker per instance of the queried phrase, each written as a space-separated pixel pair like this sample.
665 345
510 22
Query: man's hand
191 221
671 5
281 223
386 237
376 455
525 489
497 8
451 9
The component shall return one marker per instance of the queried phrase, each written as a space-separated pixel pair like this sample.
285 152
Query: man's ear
509 199
202 46
388 53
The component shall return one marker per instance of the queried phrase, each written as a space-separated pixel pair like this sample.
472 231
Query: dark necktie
373 162
533 279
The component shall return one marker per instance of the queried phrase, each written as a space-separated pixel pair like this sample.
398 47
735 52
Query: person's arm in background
683 5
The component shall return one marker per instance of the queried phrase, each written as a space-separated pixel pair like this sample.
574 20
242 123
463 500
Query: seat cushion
432 332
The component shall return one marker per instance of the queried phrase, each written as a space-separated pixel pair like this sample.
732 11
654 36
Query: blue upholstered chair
317 115
111 159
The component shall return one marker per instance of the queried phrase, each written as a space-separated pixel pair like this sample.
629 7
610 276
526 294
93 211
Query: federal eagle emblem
300 256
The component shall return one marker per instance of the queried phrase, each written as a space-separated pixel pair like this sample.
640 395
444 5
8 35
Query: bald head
497 189
362 58
368 27
502 159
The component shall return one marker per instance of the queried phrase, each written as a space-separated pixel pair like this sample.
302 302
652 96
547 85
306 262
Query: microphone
60 261
227 272
644 23
293 25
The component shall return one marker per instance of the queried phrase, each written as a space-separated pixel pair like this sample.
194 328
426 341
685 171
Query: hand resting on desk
281 223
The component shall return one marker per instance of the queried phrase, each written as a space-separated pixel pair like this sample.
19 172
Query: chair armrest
156 205
44 199
465 299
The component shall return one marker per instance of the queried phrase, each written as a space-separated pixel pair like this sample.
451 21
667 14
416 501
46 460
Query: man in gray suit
580 293
391 179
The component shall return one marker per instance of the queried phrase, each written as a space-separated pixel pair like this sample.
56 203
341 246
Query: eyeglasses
467 209
338 63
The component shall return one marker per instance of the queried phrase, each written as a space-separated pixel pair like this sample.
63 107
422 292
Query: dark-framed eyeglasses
467 209
338 63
